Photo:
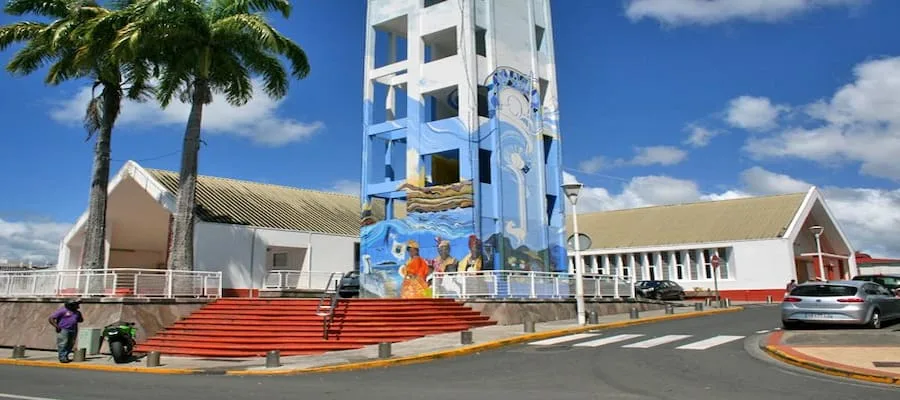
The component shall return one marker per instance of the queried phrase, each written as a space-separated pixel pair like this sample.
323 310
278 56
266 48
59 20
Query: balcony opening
547 145
387 159
441 104
551 207
441 168
388 102
429 3
440 44
543 85
538 38
390 41
480 41
484 166
483 109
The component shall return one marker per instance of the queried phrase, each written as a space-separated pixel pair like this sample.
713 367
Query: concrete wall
511 313
242 252
25 322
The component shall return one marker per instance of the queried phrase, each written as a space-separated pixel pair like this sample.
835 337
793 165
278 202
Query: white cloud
860 123
661 155
700 136
35 241
754 113
345 186
258 120
869 217
593 164
710 12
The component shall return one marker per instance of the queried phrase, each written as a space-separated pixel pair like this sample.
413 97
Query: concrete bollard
708 302
80 355
698 306
18 352
384 350
153 359
593 318
670 309
273 359
465 337
529 326
634 314
726 303
769 299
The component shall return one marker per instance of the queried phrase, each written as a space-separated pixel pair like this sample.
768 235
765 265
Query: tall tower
461 147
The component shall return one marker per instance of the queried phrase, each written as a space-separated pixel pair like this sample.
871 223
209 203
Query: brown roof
232 201
704 222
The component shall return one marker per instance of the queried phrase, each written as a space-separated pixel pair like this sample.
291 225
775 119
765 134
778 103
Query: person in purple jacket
65 320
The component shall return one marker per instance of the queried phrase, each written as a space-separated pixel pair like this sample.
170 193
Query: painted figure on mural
444 262
474 260
415 274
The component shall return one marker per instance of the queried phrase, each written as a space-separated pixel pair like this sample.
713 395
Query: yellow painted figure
414 273
473 260
444 262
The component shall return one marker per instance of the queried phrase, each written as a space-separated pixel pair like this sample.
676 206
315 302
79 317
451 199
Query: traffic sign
715 261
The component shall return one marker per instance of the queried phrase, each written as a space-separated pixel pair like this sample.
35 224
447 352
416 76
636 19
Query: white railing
293 279
120 282
527 284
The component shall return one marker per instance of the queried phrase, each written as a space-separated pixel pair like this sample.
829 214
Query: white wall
228 248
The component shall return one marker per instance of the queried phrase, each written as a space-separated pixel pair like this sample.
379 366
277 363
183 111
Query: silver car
839 302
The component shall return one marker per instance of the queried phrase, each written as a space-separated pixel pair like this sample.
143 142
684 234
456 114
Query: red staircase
234 327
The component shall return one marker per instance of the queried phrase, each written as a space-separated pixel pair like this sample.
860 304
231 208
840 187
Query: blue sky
661 101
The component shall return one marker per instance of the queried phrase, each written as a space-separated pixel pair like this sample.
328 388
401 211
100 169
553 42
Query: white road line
563 339
607 340
762 331
711 342
18 397
646 344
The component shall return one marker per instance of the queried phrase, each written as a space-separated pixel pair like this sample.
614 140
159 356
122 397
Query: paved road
716 364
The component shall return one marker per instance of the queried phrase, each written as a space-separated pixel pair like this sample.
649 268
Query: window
679 266
823 290
441 104
389 101
483 110
429 3
538 37
440 44
724 261
480 41
279 260
484 165
707 265
390 41
441 168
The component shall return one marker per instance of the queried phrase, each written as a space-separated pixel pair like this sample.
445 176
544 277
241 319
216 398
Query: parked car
349 285
891 282
659 290
854 302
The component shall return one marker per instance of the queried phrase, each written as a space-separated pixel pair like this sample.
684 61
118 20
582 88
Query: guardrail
120 282
527 284
293 279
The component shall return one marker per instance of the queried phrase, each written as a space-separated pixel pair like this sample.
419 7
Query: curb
96 367
812 365
420 358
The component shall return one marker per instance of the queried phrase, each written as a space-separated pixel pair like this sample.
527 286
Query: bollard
153 359
708 302
670 309
80 355
384 350
698 306
634 314
593 318
273 359
18 352
726 303
769 299
465 337
529 326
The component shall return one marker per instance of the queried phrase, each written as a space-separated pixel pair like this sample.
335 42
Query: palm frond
46 8
225 8
92 117
268 37
19 32
232 78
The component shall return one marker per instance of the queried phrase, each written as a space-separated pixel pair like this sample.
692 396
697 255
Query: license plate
819 316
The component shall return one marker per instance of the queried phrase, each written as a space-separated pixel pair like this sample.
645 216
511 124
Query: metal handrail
331 296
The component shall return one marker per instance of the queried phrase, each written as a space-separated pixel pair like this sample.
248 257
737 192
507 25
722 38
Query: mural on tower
474 199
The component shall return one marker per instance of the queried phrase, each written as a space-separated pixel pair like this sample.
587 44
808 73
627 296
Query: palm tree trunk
95 231
182 247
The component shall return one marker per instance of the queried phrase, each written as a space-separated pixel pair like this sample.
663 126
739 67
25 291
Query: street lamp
571 190
817 230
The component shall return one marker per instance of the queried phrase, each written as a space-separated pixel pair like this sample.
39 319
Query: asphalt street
718 359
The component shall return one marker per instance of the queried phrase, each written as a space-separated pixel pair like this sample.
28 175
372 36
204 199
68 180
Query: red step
252 327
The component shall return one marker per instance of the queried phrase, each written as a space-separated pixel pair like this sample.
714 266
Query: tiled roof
704 222
231 201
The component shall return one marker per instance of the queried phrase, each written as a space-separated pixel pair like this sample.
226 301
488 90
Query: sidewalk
418 350
872 356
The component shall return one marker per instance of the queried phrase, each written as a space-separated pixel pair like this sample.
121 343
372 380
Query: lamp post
817 231
571 190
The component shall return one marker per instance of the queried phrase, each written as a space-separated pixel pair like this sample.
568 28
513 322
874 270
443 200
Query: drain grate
886 364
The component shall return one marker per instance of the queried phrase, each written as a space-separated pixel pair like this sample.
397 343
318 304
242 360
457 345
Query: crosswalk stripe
563 339
646 344
711 342
607 340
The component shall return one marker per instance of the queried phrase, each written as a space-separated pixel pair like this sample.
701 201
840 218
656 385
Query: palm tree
207 47
58 43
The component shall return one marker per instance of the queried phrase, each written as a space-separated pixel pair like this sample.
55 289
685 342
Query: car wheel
875 321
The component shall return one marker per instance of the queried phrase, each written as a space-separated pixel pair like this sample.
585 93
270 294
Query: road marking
608 340
646 344
762 331
711 342
18 397
563 339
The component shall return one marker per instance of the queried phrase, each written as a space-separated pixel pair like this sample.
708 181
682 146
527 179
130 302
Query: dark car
659 290
349 285
890 282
